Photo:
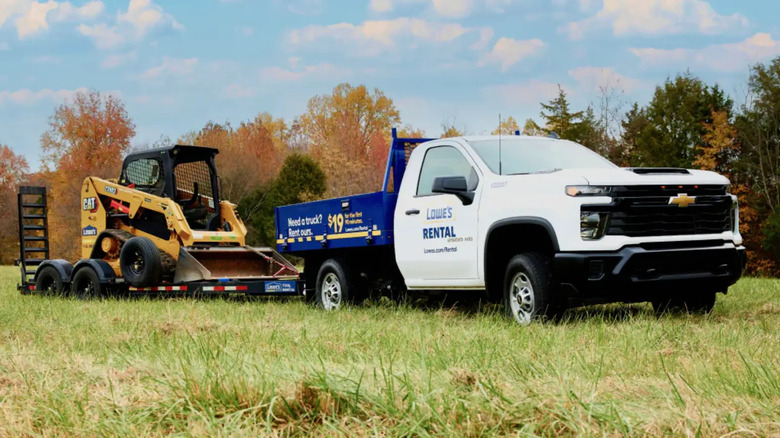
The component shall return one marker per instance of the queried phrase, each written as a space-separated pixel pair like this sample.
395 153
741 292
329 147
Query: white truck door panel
436 234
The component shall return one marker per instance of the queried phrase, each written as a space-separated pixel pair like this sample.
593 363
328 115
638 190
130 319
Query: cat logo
682 200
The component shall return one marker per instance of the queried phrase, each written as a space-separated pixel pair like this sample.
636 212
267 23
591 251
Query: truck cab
541 224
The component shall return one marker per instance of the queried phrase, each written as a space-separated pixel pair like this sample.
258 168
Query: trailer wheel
529 288
333 285
49 281
140 262
86 284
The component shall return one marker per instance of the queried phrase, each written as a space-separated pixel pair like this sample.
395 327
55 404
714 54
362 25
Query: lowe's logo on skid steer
89 230
280 287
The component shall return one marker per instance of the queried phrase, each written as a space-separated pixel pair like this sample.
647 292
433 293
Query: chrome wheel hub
331 292
521 298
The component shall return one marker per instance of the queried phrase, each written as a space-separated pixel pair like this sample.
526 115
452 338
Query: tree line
339 145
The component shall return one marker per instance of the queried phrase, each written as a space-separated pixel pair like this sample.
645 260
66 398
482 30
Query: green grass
272 367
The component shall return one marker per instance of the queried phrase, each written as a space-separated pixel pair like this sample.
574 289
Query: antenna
499 145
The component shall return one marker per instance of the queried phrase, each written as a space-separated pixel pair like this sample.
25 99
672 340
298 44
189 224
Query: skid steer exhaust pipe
244 263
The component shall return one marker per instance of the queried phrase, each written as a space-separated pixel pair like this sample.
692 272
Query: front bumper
643 272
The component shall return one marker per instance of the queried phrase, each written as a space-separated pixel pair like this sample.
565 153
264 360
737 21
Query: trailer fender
101 267
64 268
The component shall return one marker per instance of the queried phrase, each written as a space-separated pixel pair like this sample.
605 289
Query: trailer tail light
159 289
225 288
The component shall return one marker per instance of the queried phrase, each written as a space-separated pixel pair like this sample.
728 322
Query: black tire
694 303
140 262
49 281
529 288
86 284
333 285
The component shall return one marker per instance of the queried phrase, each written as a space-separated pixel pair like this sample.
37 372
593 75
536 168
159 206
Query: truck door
436 234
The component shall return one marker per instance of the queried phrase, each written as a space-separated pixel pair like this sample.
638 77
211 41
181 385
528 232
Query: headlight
588 190
593 225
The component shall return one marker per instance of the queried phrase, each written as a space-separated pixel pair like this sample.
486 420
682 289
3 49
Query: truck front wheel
333 285
529 288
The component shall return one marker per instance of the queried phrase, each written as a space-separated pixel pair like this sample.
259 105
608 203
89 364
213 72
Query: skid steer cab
161 226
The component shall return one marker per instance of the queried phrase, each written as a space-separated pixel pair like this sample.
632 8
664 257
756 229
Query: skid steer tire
140 262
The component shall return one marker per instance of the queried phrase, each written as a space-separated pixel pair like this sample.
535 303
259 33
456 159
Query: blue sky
179 64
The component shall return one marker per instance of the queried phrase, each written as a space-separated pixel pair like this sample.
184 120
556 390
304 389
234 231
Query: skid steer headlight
592 225
588 190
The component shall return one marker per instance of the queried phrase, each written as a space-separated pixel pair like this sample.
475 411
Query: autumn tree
13 172
409 131
506 126
530 127
349 133
449 131
249 156
88 135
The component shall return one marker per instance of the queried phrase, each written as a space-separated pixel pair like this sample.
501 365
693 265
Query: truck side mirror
454 185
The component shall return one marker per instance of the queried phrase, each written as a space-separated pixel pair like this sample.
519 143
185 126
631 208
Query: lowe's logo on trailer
277 287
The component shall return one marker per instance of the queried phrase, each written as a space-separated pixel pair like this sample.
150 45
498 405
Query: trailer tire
140 262
529 288
333 285
86 284
49 281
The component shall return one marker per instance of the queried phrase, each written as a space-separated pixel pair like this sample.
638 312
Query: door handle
411 212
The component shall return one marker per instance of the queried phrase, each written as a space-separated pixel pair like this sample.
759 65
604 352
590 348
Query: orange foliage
87 136
348 131
249 157
13 171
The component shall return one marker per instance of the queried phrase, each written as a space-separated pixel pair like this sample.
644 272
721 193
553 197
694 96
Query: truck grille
643 211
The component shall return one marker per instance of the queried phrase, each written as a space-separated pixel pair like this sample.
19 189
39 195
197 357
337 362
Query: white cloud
171 67
26 96
721 57
33 17
530 92
320 71
655 17
445 8
104 37
4 46
373 37
509 51
141 17
118 59
596 78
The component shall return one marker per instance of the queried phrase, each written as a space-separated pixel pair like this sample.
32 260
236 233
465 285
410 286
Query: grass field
272 367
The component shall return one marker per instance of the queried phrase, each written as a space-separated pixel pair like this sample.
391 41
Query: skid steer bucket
243 263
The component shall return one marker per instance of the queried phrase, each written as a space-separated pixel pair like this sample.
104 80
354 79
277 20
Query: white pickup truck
539 223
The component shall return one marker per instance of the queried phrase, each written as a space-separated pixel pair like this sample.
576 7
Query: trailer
160 228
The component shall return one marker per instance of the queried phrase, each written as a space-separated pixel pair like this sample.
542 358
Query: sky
180 64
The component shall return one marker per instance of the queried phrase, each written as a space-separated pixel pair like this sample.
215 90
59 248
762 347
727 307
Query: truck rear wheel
86 284
333 285
49 281
529 288
694 303
140 262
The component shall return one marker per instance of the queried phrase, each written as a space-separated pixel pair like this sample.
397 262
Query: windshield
520 156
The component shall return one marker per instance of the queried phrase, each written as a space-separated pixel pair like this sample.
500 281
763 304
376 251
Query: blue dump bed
350 221
346 222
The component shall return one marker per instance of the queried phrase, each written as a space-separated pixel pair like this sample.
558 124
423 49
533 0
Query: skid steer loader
160 226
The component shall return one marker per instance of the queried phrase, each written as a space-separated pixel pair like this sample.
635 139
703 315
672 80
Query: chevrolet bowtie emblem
682 200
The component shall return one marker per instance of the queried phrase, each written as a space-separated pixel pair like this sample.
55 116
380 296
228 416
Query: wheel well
509 239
